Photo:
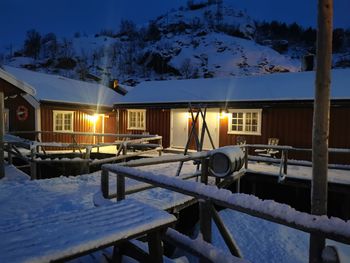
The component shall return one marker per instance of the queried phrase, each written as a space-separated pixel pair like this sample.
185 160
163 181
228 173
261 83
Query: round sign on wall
22 113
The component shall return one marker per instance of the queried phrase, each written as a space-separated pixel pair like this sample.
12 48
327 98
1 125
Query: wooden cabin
255 108
60 105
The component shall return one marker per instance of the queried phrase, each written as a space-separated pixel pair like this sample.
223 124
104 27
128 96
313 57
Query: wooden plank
49 239
226 235
2 164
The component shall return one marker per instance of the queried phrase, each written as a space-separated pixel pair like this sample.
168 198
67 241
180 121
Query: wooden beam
2 164
320 129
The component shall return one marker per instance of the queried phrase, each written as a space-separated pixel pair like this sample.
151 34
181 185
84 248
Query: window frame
55 112
244 111
137 126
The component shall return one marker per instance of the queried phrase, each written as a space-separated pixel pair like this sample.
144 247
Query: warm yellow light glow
92 118
188 115
223 114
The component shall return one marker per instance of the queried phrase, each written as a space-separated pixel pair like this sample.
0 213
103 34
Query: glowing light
92 118
223 114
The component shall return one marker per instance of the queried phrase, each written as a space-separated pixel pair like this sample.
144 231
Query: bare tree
66 49
320 131
186 68
32 44
49 45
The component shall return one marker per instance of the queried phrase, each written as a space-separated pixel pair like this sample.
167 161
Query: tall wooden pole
2 165
320 130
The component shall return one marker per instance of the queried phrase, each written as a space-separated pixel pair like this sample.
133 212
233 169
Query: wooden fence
208 196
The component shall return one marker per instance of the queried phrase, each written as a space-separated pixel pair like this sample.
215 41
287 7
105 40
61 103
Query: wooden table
64 236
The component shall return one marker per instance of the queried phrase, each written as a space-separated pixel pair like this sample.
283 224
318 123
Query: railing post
204 170
120 187
105 183
87 157
125 149
246 157
33 164
9 153
98 143
205 219
285 161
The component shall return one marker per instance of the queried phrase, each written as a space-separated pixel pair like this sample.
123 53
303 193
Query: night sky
65 17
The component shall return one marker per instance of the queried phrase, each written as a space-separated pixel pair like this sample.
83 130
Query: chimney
114 85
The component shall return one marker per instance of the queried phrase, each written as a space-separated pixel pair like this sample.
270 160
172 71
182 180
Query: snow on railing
331 228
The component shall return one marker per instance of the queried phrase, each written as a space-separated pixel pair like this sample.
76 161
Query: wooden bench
69 235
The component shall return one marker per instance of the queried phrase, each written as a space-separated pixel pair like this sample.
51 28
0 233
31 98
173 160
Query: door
213 121
179 128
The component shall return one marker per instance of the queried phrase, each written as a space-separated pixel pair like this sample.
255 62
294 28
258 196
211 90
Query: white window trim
55 112
144 119
258 132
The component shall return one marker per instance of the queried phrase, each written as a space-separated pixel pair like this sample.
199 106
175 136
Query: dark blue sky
64 17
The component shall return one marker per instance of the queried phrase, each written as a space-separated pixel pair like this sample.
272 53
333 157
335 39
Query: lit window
63 121
245 122
137 120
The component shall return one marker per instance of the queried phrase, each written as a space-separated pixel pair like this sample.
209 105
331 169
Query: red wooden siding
110 126
157 122
20 125
80 124
293 126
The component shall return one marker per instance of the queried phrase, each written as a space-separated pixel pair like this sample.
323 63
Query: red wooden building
60 105
257 108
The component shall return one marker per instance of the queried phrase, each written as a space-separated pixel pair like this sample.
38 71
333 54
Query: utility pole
320 131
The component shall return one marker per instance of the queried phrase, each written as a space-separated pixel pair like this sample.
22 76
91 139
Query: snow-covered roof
273 87
54 88
17 83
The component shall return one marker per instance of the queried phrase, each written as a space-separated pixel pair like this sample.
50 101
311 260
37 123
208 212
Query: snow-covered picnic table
67 235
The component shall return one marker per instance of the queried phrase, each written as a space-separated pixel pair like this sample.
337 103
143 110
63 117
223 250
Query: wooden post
205 219
120 187
155 247
204 170
33 165
160 142
246 157
285 161
9 153
320 131
87 157
105 183
2 164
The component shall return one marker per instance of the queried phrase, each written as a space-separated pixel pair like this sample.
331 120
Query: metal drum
225 161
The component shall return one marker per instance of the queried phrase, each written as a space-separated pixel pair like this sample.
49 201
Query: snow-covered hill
201 41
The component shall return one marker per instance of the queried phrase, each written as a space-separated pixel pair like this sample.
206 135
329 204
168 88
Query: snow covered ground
299 172
259 240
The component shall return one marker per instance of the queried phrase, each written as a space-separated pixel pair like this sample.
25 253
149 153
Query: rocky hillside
197 41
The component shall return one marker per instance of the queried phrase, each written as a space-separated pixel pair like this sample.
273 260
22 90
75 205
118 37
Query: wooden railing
284 161
39 151
208 196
